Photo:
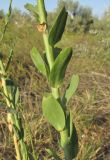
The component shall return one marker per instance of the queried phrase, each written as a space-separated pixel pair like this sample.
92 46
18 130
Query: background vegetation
89 37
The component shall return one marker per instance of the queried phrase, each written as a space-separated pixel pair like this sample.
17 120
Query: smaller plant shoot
54 106
10 93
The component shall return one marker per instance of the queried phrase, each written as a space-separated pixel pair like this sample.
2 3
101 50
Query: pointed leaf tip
71 88
58 27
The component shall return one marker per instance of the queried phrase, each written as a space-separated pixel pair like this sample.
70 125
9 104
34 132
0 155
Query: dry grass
90 107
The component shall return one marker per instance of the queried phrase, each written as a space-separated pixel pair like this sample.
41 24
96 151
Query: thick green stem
64 136
64 144
42 11
43 19
49 50
50 58
55 92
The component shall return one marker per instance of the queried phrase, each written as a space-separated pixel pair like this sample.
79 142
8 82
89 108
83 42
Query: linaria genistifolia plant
53 66
10 92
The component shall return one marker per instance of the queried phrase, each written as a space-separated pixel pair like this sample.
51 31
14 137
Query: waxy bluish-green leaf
53 112
70 145
58 27
38 61
71 88
58 70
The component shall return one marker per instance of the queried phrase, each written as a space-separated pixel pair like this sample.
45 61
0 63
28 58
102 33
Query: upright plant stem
55 91
18 155
9 116
43 19
50 58
13 119
49 50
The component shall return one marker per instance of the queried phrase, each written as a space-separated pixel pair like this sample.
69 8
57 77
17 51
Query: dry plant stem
10 120
18 155
9 115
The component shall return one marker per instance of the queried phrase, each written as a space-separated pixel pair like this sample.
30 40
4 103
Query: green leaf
25 155
46 64
69 124
32 9
10 88
38 61
13 91
1 34
58 70
1 55
53 154
11 110
9 59
70 142
42 11
53 112
72 145
56 51
6 19
69 139
58 27
16 131
71 88
16 95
